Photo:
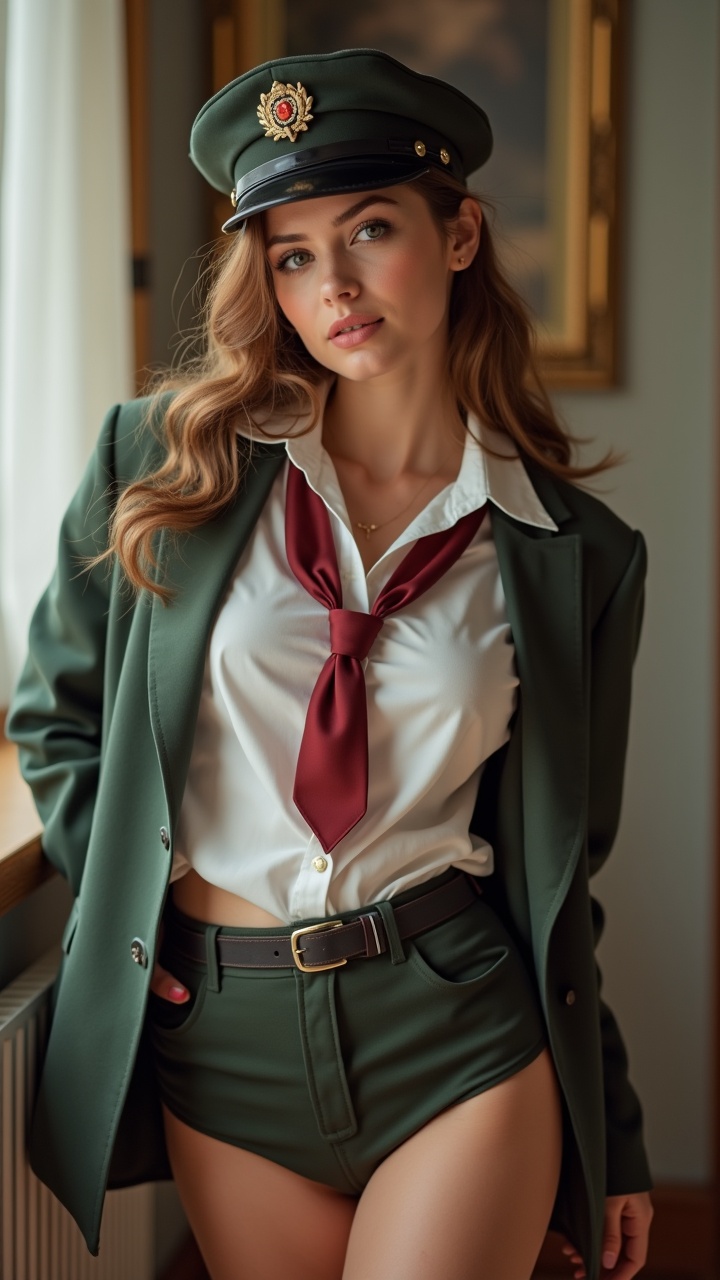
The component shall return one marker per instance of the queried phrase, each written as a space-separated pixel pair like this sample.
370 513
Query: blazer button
570 996
165 837
138 951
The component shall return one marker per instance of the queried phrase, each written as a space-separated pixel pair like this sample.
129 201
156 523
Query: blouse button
320 863
165 837
570 997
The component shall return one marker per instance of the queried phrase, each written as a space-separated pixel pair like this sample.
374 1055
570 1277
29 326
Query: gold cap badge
284 111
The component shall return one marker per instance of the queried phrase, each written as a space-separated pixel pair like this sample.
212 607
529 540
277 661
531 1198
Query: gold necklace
373 528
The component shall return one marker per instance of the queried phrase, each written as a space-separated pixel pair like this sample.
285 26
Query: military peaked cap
321 124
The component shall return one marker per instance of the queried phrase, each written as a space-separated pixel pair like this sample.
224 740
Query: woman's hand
165 985
625 1237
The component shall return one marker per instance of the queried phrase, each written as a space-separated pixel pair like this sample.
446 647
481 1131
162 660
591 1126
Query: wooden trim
21 872
23 865
136 25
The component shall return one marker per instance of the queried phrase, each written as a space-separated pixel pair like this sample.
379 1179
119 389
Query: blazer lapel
199 568
542 579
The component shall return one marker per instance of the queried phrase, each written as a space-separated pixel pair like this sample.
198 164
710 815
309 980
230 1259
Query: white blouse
441 690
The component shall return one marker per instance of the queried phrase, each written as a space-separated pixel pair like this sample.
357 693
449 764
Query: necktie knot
352 634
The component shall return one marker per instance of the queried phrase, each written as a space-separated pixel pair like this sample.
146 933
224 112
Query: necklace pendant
366 528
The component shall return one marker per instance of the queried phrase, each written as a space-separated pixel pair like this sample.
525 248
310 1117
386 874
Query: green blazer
104 714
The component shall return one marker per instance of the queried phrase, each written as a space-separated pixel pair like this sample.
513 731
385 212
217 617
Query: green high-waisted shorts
326 1073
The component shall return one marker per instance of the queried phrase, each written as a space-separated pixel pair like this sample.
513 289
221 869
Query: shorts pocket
467 951
169 1018
488 965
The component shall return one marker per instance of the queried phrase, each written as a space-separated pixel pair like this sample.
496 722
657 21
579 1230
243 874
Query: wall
657 952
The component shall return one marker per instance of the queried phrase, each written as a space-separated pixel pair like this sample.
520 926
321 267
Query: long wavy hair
254 366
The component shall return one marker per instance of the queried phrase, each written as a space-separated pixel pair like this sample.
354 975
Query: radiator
39 1240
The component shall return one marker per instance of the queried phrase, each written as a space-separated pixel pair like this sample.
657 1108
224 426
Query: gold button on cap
444 155
320 864
420 148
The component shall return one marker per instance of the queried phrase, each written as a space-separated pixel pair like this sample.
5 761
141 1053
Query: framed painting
549 75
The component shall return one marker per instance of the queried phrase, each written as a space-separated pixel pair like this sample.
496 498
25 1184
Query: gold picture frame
549 72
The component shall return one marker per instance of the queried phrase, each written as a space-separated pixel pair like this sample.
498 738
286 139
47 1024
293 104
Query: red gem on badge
284 112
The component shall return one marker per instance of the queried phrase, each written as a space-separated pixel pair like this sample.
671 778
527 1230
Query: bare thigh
469 1196
254 1219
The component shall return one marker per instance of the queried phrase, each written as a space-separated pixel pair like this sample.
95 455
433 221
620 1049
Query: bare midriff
203 901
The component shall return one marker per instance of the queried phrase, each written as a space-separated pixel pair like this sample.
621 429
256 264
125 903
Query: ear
465 236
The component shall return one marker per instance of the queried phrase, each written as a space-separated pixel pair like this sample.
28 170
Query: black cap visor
306 181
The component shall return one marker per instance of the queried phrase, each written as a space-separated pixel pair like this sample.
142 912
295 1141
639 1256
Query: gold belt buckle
297 951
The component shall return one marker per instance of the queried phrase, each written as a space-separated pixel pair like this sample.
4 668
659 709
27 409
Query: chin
366 365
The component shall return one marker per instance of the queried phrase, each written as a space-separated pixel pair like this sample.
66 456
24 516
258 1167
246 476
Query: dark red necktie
331 780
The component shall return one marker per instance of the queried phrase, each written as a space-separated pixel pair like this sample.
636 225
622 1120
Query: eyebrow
336 222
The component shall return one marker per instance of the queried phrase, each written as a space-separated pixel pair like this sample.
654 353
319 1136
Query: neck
407 422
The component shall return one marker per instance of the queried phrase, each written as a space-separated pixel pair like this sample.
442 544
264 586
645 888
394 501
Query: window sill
23 865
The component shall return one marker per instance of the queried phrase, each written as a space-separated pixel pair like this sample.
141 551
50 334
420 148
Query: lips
351 322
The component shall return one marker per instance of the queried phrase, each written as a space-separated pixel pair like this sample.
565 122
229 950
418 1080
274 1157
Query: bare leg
469 1196
253 1219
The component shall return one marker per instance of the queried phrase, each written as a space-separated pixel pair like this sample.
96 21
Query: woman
371 689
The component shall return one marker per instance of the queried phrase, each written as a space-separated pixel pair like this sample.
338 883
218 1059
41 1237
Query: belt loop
211 957
397 953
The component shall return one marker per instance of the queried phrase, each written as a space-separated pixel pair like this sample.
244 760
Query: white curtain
65 289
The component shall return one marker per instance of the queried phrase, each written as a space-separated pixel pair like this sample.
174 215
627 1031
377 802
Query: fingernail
609 1260
177 993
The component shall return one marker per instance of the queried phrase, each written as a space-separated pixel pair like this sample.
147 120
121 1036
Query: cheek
290 302
417 284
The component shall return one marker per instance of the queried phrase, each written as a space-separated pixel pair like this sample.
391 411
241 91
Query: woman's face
364 278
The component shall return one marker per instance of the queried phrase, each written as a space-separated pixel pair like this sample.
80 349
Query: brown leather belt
331 943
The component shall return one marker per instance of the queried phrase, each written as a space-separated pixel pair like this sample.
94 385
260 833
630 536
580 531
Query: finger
612 1233
164 984
573 1257
634 1256
625 1270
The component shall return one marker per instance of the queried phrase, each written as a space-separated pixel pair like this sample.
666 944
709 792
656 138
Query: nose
338 283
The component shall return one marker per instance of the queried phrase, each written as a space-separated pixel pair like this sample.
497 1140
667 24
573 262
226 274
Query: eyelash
369 222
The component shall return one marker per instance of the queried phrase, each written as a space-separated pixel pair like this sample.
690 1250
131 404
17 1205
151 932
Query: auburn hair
253 365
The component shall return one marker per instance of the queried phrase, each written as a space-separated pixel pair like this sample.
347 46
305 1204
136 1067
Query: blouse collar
491 470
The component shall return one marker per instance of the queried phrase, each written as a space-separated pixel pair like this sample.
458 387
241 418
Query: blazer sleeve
615 641
55 715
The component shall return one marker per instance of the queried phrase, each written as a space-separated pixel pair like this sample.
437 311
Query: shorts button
138 951
165 837
320 864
